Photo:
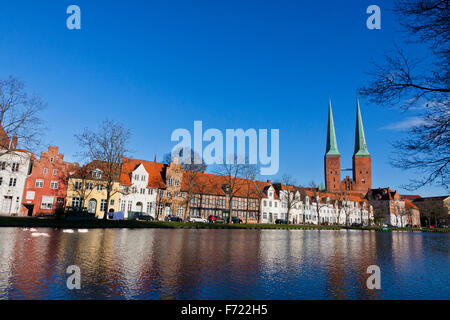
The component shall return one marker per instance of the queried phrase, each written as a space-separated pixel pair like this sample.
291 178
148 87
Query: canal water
223 264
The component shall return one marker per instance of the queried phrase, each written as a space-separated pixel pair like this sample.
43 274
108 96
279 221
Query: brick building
46 187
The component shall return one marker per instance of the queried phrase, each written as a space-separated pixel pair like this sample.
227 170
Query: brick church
361 181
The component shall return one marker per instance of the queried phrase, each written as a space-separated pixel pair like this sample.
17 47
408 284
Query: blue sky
159 65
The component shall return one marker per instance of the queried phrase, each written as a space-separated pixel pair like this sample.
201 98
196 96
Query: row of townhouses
30 186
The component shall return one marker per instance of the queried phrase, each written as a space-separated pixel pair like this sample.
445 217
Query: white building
308 207
270 206
15 167
139 183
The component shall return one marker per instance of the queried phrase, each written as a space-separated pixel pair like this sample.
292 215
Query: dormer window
271 194
97 174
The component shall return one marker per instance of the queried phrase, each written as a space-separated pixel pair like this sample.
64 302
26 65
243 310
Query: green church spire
332 148
360 140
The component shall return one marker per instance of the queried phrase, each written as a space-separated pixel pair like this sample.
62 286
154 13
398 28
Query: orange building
46 188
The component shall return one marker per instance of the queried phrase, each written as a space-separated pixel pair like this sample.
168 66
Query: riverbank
28 222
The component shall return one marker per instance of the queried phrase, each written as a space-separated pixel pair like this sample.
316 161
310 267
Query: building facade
15 168
392 210
87 190
46 188
140 181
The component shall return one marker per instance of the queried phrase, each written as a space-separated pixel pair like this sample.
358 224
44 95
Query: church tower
332 157
362 165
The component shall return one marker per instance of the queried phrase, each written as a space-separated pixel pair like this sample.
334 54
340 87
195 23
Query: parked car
281 221
197 219
175 219
355 224
145 217
215 219
236 220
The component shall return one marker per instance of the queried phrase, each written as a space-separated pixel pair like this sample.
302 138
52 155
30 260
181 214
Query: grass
29 222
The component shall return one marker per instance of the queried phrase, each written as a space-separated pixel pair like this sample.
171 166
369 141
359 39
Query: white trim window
47 202
76 202
54 185
78 185
103 205
39 183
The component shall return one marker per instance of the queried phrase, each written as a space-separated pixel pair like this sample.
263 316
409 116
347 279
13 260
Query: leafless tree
250 172
19 115
232 173
288 193
423 84
108 145
80 181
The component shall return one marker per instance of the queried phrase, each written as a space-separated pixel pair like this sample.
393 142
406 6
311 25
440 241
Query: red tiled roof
155 172
410 196
409 204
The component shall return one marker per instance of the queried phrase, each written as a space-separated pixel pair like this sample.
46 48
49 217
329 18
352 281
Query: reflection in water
223 264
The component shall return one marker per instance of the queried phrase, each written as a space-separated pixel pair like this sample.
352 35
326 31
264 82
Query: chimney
14 143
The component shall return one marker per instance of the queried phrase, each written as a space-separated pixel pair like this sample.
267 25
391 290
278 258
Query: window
111 202
170 181
1 180
76 202
265 203
177 182
169 194
47 202
30 195
52 159
79 185
15 167
100 188
276 204
54 172
89 186
150 191
97 174
161 193
12 182
130 204
54 185
142 191
180 210
2 165
103 205
45 170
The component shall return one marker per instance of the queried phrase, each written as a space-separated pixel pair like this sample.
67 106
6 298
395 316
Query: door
6 206
92 206
139 207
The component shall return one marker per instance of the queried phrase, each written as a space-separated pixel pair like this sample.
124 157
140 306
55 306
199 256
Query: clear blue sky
160 65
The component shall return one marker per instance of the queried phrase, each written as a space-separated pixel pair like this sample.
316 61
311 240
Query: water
223 264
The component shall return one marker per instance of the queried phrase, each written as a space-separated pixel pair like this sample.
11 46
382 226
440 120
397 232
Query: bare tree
288 193
250 172
232 173
108 145
423 84
19 115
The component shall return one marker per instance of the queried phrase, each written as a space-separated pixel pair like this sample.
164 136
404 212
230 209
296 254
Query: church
361 180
